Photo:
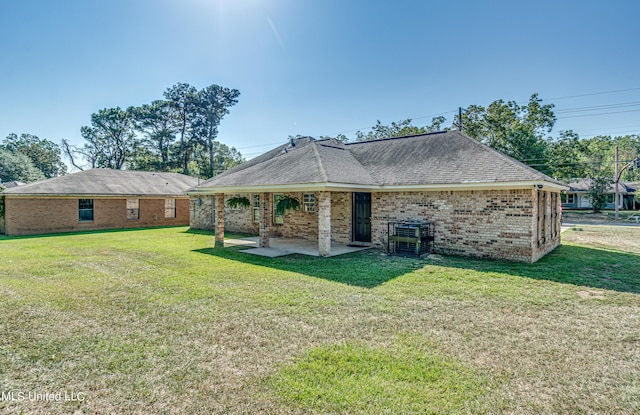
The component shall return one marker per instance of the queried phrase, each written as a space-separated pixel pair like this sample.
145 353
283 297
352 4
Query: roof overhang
88 196
347 187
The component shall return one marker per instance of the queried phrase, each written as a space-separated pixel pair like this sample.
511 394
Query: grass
625 216
157 321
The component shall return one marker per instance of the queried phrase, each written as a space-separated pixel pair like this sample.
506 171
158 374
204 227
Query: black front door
362 217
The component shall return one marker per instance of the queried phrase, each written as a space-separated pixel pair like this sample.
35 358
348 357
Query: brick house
480 202
97 199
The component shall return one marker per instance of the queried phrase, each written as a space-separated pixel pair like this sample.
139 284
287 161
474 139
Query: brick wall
202 211
297 224
2 230
498 224
47 215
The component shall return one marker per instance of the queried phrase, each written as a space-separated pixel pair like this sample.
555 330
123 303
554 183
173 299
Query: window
568 198
309 202
85 210
542 217
277 219
169 208
554 215
609 197
256 208
133 209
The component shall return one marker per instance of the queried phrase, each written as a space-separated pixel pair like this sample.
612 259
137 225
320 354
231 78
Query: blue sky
318 67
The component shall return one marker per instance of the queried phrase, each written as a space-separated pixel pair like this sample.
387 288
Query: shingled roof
441 159
584 185
107 182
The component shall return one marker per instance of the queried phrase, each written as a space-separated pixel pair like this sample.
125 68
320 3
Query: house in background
12 183
97 199
577 197
480 202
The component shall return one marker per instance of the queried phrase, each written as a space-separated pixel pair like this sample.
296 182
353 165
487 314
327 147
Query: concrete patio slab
286 246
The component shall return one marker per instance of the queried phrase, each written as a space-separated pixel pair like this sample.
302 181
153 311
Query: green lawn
157 321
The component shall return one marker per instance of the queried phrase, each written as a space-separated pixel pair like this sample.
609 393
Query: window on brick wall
554 215
309 202
133 209
169 208
256 208
542 217
85 210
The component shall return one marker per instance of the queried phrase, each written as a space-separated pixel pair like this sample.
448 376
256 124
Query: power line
593 115
593 93
599 107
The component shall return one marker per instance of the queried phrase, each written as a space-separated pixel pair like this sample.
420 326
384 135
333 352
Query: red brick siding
47 215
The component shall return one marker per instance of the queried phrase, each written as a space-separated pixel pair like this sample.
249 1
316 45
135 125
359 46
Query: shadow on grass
569 264
88 232
367 269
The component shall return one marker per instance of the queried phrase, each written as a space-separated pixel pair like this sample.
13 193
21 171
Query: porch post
266 208
219 220
324 223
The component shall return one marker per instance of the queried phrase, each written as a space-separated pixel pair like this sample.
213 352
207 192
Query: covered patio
322 246
286 246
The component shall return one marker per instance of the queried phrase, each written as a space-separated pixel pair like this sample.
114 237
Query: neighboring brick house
481 202
97 199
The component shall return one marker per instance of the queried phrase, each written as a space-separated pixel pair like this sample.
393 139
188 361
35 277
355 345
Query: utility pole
630 165
460 119
617 177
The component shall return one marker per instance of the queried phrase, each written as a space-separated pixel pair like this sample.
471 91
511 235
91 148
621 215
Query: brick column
324 223
219 220
266 209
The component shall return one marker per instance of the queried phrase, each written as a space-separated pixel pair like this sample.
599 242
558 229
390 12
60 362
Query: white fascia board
475 186
346 187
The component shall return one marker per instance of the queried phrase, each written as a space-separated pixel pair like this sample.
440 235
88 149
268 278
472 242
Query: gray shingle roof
431 159
583 185
13 183
106 182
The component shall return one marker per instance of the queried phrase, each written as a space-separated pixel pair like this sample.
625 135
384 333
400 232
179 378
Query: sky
319 67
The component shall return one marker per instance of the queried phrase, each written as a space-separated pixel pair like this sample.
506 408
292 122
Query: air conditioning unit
410 238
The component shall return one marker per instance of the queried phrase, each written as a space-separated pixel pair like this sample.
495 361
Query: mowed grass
157 321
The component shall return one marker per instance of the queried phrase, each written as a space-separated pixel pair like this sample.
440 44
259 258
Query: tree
225 158
399 129
515 130
110 140
183 98
598 161
566 157
158 125
211 105
44 154
629 149
597 191
18 166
